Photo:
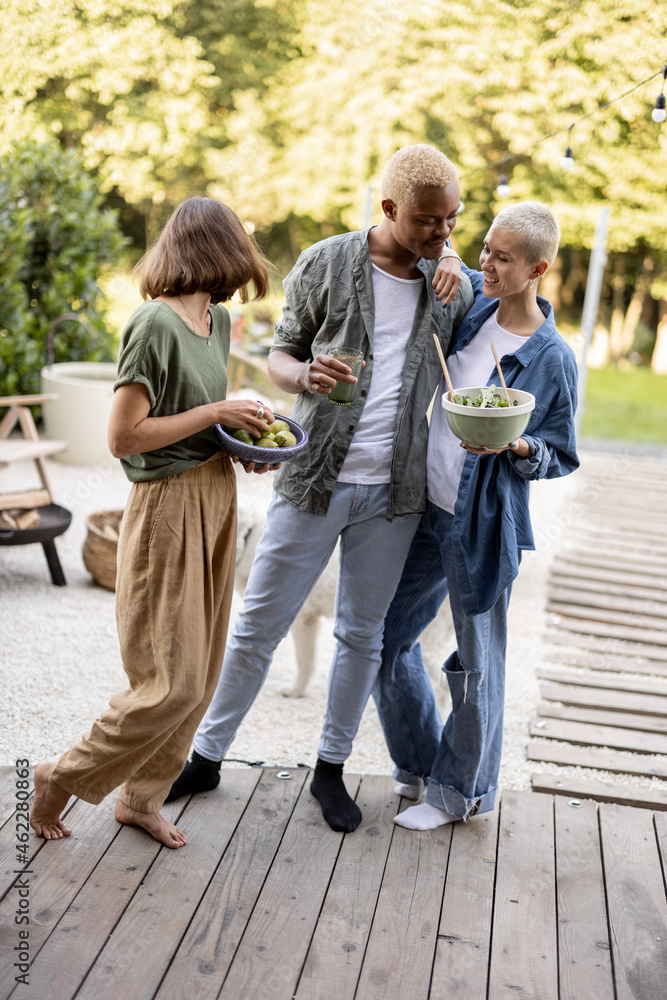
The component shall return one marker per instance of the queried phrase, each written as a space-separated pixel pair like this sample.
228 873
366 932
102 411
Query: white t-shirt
369 457
470 366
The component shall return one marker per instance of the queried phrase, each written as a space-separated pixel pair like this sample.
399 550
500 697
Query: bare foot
50 800
152 823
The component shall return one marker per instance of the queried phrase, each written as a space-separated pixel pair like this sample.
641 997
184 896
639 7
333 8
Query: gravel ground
60 658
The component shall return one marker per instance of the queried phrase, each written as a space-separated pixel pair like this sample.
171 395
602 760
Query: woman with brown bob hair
177 543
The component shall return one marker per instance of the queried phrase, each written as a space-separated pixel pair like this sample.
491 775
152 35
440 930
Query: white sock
424 817
410 791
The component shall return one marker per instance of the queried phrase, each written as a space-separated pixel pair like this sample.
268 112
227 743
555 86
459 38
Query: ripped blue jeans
460 760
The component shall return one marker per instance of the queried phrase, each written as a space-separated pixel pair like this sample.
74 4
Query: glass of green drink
342 393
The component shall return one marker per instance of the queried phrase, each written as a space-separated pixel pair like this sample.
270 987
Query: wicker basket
100 550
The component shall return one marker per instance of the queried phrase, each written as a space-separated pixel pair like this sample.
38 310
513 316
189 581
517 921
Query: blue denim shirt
491 517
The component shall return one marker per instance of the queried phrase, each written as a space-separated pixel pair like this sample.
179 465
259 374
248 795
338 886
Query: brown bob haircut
203 247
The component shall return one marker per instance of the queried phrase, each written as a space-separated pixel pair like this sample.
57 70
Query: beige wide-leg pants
176 559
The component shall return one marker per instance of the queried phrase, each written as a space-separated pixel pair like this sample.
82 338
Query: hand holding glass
342 393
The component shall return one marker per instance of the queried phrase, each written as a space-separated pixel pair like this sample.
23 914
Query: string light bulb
503 189
567 163
659 112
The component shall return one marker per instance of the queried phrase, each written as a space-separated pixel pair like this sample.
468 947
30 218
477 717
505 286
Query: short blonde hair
415 167
537 227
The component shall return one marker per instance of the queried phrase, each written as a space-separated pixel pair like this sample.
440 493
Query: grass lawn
626 406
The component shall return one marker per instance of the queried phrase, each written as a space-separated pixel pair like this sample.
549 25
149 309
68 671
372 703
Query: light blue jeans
292 552
461 760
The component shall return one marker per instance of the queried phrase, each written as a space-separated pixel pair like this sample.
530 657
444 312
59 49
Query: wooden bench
29 449
32 448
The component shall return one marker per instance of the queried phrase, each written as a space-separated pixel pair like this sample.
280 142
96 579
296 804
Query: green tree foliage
141 87
479 81
292 108
289 109
54 244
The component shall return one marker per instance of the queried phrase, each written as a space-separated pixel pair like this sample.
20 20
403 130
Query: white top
470 366
369 457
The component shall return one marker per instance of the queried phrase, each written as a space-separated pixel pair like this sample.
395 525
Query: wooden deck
545 898
608 603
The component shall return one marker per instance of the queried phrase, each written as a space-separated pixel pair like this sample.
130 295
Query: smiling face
503 262
423 226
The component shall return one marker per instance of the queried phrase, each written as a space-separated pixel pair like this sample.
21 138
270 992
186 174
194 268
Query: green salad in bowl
488 396
480 417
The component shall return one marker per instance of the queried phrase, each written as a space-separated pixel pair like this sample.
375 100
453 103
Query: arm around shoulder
463 301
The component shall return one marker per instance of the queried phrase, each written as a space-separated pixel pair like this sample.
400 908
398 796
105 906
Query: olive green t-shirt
180 370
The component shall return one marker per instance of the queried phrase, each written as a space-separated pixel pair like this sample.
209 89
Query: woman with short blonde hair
468 544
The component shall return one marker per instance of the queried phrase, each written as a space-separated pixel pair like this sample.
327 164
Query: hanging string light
503 189
567 163
659 112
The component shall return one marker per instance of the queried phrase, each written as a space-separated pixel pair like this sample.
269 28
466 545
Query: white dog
437 641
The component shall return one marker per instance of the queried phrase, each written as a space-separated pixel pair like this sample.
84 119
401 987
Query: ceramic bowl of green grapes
480 417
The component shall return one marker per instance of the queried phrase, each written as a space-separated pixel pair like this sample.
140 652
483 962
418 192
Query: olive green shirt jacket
330 303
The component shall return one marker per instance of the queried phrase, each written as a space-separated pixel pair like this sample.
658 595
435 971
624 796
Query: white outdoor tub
80 415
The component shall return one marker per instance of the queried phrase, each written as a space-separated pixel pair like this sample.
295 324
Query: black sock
339 810
198 775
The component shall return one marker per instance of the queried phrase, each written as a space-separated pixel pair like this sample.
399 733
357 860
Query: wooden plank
601 717
636 903
208 948
43 397
607 654
660 822
8 793
272 951
628 524
600 791
633 553
602 760
635 637
598 697
565 566
337 950
630 556
579 580
25 498
603 537
601 736
20 450
9 855
140 950
596 558
614 683
399 957
639 628
56 876
85 926
524 944
649 606
600 520
584 955
653 501
464 935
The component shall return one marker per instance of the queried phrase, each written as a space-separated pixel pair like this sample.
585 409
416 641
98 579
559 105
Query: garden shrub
55 242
